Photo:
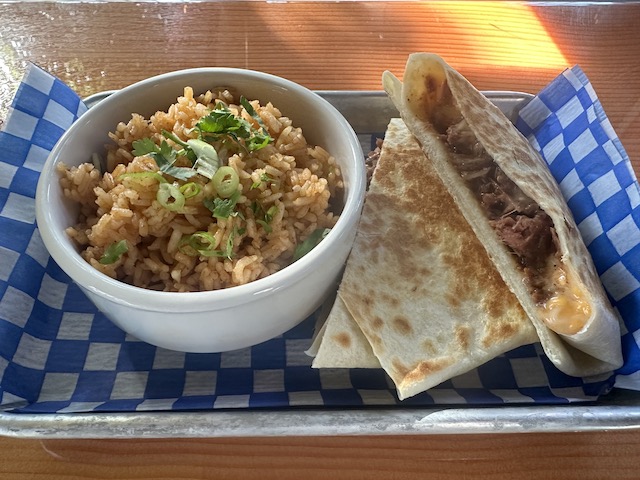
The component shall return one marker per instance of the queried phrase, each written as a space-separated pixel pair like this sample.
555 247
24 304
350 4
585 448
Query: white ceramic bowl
219 320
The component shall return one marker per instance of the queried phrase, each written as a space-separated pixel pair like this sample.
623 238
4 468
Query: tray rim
619 410
323 422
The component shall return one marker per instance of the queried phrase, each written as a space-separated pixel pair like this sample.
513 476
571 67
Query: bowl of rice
204 210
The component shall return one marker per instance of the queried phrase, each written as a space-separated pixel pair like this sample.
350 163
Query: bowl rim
100 284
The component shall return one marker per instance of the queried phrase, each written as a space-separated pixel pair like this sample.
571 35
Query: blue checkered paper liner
58 353
568 126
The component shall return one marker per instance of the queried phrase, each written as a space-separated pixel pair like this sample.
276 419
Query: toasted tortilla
432 90
419 292
339 342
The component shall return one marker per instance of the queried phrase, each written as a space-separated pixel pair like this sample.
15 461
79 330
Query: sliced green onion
204 150
310 242
143 175
228 253
265 225
113 252
184 246
225 181
190 189
268 216
272 212
175 138
204 244
205 169
96 159
207 161
169 197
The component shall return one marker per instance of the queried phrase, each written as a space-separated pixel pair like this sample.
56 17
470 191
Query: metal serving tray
369 113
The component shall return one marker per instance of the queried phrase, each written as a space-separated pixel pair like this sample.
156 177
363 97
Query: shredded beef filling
371 160
517 219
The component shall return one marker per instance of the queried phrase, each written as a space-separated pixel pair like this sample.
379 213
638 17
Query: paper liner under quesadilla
418 288
509 197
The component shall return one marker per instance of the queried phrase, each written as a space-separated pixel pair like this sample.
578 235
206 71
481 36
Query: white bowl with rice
202 251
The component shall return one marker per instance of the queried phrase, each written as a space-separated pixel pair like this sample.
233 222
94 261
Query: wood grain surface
345 46
524 456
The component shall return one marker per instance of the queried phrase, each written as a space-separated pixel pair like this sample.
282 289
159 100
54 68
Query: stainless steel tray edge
618 410
272 423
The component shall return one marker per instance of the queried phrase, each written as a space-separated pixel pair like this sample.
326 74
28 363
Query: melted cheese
567 310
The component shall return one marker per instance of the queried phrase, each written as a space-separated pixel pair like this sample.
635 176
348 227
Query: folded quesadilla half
339 343
514 205
419 296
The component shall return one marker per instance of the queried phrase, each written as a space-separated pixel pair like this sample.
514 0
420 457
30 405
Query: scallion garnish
204 244
170 197
96 159
113 252
266 220
143 175
225 181
175 138
228 253
207 160
219 124
190 189
265 225
199 243
268 216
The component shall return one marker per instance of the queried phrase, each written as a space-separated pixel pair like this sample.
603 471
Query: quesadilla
419 293
514 205
339 342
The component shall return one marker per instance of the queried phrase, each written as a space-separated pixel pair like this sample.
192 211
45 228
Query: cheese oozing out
567 310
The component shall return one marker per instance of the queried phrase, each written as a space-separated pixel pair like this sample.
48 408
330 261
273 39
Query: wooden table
345 46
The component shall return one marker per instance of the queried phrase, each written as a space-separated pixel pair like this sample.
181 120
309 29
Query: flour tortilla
419 291
427 79
339 342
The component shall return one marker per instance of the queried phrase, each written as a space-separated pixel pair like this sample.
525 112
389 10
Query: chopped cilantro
221 122
164 156
310 242
265 177
223 207
264 218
